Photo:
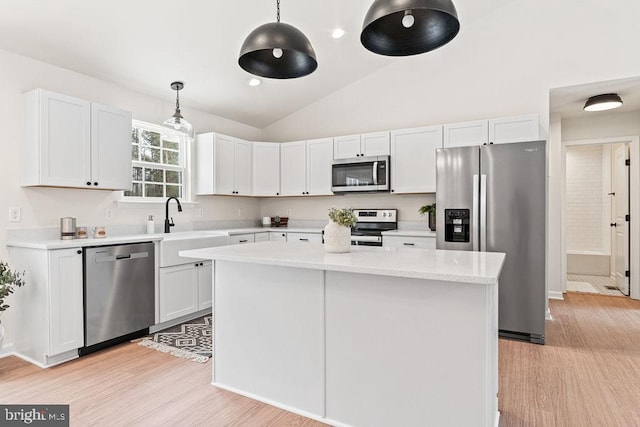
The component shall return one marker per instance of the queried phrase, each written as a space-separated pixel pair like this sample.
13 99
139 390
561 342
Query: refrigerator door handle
475 222
483 213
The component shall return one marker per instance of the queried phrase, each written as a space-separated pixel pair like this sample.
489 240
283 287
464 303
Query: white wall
42 207
504 64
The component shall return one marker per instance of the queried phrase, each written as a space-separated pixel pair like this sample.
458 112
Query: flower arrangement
8 281
426 209
344 217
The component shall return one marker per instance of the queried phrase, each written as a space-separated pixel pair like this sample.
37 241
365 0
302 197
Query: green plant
427 209
9 280
344 217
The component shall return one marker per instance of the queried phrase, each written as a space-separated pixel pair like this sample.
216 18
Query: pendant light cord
278 15
177 99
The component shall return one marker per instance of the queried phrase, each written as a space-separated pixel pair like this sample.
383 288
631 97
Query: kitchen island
377 336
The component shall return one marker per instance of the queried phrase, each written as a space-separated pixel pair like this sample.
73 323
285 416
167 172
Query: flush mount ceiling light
177 122
278 51
254 82
409 27
337 33
608 101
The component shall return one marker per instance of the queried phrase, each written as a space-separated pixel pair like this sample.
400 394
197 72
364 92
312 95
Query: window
158 162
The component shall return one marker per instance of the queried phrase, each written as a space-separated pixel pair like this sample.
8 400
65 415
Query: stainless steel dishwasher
119 293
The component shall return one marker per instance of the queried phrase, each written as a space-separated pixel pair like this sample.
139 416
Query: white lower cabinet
185 289
277 236
261 237
409 242
304 237
239 239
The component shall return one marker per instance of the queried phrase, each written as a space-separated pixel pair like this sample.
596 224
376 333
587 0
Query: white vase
337 238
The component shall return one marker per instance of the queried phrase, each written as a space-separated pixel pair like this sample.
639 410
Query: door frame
634 205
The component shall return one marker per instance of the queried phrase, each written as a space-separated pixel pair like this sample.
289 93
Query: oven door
361 174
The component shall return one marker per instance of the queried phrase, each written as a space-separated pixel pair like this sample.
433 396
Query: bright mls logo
39 415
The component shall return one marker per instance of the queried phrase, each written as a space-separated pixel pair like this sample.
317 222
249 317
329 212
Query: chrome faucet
168 224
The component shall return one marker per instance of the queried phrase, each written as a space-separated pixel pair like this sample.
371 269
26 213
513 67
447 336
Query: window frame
184 153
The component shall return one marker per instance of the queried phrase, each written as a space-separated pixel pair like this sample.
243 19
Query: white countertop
116 240
410 233
451 266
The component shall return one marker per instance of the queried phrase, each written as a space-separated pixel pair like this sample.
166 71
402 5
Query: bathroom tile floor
600 283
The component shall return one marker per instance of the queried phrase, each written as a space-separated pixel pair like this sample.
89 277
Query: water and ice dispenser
457 225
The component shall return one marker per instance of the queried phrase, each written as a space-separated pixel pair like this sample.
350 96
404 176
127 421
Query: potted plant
431 210
9 280
337 233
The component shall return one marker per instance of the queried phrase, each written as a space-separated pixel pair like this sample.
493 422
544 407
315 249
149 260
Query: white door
293 168
466 134
266 169
243 168
347 147
413 159
110 147
66 311
375 144
319 157
224 169
205 284
178 291
621 207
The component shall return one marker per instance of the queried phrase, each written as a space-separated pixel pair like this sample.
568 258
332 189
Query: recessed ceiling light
254 82
337 33
604 102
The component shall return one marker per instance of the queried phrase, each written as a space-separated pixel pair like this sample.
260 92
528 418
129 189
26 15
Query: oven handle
375 239
375 173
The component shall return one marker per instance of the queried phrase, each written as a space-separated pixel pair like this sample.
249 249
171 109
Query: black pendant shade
388 30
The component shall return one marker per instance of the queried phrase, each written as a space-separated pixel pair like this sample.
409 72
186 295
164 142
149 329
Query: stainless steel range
371 223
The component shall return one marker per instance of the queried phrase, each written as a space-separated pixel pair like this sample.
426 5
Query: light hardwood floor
588 374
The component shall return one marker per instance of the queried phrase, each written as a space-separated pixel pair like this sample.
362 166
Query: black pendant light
409 27
278 51
607 101
177 122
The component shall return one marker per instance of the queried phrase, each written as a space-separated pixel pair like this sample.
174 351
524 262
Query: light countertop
116 240
451 266
410 233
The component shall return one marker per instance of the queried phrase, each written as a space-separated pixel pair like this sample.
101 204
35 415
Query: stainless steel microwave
360 174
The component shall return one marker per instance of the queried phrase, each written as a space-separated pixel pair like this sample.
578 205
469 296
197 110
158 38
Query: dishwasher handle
113 258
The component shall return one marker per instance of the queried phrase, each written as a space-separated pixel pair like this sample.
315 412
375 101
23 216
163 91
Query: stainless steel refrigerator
492 198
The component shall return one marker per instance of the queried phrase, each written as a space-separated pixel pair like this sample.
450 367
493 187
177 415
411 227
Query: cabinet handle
88 183
95 183
79 251
362 154
304 240
393 191
277 194
201 264
409 244
357 155
243 241
196 264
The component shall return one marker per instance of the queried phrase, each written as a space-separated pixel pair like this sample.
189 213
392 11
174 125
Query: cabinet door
319 157
466 134
409 242
64 140
275 236
375 144
239 239
178 287
413 159
243 167
205 285
304 237
261 237
204 164
66 319
346 147
110 147
293 168
266 169
224 165
514 129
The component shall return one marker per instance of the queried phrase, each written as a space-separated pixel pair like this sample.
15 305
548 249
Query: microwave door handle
375 173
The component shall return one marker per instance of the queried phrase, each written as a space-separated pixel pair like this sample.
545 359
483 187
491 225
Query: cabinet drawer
241 239
261 237
409 242
304 237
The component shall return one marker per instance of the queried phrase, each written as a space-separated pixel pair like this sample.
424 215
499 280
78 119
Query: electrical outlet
15 214
108 214
240 213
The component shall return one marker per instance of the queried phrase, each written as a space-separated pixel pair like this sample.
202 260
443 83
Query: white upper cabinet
413 159
370 144
319 157
70 142
346 147
223 165
514 129
466 134
266 169
293 168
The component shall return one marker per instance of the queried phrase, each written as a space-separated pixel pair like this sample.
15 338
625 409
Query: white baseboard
6 351
556 295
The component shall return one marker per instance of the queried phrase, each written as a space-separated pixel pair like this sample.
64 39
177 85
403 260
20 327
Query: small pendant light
177 122
607 101
409 27
277 50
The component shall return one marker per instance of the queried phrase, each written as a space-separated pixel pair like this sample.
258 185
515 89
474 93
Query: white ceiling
569 101
144 45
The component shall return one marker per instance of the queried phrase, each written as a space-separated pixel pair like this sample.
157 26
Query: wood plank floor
588 374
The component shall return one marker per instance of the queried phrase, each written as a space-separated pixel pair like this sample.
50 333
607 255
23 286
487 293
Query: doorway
597 178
